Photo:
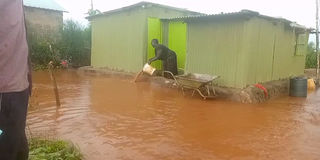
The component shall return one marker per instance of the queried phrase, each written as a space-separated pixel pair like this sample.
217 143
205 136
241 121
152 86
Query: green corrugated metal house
243 48
121 38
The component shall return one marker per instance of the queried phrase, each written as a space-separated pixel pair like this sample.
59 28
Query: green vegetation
41 149
41 54
73 44
311 57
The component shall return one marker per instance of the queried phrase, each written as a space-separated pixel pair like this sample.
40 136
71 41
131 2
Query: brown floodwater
116 119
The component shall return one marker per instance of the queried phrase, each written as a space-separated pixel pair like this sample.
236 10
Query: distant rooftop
44 4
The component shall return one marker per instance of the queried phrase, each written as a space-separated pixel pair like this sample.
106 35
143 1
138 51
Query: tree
311 57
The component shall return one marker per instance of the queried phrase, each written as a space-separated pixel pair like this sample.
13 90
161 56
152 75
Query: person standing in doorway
15 81
168 57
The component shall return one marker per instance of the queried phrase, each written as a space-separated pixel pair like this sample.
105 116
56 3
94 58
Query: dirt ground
251 94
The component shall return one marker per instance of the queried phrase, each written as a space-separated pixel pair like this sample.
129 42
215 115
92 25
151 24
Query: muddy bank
251 94
311 73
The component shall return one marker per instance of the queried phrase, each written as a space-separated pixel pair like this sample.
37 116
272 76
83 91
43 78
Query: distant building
44 18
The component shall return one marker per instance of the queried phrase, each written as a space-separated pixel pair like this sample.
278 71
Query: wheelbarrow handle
171 75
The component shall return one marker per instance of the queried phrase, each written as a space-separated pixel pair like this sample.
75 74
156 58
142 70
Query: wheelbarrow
202 83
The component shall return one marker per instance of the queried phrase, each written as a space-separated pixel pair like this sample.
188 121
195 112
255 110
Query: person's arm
156 57
29 55
30 75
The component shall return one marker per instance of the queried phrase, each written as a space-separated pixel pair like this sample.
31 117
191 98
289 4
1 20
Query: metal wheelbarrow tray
202 83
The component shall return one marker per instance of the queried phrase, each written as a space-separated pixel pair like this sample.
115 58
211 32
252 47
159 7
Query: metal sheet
178 40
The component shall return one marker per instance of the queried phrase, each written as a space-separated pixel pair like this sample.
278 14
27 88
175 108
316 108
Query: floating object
311 84
265 91
64 64
1 131
148 69
298 87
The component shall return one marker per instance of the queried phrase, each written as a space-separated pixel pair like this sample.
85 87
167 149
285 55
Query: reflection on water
111 118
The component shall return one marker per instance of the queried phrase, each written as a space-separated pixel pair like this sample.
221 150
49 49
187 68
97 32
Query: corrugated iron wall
271 51
258 51
177 40
154 32
215 47
243 52
120 40
117 41
286 62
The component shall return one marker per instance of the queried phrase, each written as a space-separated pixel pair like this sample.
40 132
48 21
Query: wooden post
317 38
54 83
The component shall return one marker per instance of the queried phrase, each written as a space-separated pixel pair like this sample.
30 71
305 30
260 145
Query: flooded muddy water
114 118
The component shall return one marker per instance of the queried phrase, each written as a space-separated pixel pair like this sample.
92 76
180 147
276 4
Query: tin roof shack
44 18
243 48
121 38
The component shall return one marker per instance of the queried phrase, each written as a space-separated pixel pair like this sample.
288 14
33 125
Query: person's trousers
13 112
170 64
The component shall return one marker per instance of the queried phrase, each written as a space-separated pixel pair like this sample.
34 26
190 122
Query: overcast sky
300 11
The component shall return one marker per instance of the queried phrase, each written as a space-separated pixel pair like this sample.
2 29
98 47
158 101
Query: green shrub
41 149
311 57
42 52
73 44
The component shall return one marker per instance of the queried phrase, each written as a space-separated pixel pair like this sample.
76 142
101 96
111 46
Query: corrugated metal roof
242 13
44 4
231 14
142 4
204 16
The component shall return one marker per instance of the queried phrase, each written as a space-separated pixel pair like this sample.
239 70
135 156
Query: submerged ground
113 118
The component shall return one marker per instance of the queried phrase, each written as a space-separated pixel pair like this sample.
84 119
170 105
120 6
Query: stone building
44 18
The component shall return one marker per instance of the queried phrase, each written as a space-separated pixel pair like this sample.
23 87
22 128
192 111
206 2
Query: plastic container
311 84
148 69
298 87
